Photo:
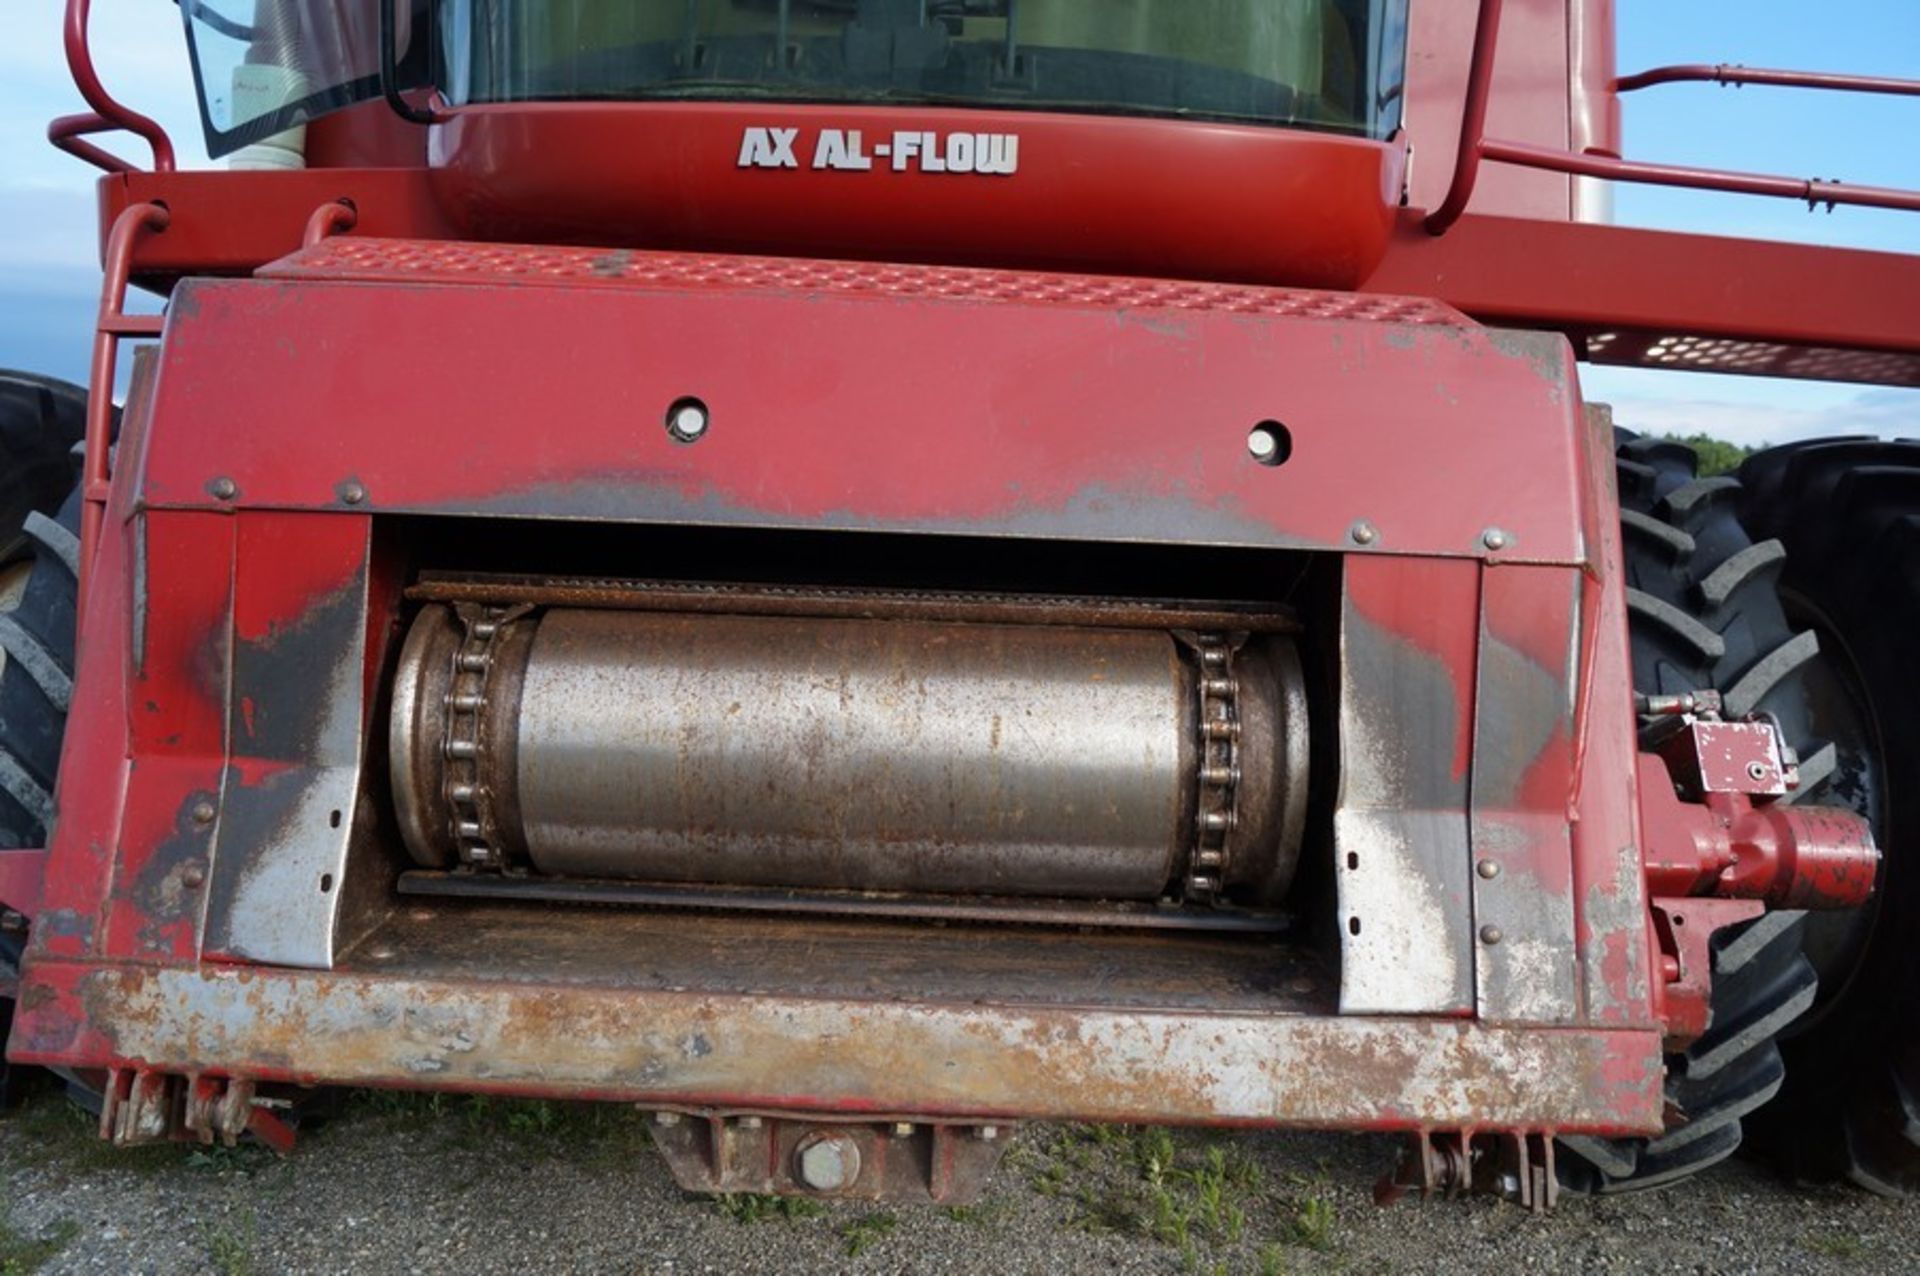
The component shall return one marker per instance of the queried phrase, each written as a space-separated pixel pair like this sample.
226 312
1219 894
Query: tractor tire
1848 513
36 675
41 420
40 423
1704 613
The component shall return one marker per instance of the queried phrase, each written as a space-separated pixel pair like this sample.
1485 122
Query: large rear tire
1848 513
1704 613
41 421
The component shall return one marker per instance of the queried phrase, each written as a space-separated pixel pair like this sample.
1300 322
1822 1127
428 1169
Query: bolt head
828 1163
1262 445
688 420
1494 538
987 1133
750 1123
1490 935
666 1118
203 812
903 1129
223 489
1364 533
352 493
193 875
1756 771
1487 869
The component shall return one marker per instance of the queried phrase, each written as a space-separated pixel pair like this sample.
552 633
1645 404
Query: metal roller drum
851 754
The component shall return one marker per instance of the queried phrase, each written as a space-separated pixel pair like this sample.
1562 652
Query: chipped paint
1401 858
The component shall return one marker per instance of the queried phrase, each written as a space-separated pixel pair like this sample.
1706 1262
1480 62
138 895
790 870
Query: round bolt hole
687 420
1270 443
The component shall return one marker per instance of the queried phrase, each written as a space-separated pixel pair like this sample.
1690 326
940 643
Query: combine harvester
858 572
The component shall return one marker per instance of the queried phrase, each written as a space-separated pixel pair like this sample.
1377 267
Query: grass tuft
22 1254
230 1247
752 1207
864 1233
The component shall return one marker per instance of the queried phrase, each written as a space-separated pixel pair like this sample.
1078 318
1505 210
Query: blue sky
47 236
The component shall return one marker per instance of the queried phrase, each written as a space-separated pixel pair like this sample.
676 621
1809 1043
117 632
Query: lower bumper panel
841 1055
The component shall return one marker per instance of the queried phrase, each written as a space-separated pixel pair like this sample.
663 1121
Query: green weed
21 1254
230 1248
1312 1224
1834 1245
753 1207
863 1234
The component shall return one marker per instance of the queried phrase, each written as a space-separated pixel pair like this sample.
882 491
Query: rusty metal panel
750 1052
1526 967
1613 924
298 720
1408 629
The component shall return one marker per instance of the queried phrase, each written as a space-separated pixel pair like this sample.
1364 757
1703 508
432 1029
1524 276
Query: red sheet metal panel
177 679
1683 302
1526 967
1063 407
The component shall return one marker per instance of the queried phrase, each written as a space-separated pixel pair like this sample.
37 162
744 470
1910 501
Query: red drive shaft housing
1715 824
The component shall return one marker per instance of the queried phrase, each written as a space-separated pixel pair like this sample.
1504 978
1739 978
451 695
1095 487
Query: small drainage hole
1353 925
333 820
326 883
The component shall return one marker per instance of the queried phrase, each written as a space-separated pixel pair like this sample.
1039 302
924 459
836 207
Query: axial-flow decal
906 150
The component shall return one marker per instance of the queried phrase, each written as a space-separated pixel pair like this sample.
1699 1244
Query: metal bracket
140 1106
873 1158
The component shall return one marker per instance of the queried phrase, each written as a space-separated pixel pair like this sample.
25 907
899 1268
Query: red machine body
436 358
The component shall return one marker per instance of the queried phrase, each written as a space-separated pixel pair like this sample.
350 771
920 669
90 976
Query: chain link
1218 777
475 836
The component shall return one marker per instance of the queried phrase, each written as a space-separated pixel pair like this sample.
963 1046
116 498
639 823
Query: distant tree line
1717 456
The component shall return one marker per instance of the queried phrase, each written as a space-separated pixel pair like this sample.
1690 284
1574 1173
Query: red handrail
110 326
1815 191
1475 147
1735 75
334 217
1473 122
108 113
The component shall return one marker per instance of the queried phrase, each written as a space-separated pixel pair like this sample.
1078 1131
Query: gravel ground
398 1185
